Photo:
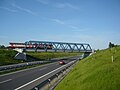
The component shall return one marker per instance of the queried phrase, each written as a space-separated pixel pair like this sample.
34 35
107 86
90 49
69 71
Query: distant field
96 72
48 55
6 57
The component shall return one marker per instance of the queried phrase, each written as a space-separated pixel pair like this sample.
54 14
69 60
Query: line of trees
2 47
112 45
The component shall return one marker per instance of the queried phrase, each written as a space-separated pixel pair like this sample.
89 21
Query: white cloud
74 28
24 9
77 30
58 21
8 9
43 1
66 5
58 5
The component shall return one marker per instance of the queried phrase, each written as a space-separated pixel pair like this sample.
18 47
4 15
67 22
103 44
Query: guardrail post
36 88
57 75
49 82
66 69
62 72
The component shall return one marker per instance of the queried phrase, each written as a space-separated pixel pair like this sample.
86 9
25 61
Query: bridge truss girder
59 46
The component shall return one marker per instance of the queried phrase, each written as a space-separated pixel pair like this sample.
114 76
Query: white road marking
5 81
41 77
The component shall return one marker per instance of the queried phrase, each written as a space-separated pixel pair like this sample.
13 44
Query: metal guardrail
45 85
8 67
36 85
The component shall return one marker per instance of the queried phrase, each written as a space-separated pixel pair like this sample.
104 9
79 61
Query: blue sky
96 22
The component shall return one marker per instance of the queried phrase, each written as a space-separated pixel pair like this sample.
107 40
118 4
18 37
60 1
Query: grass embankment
7 57
96 72
49 55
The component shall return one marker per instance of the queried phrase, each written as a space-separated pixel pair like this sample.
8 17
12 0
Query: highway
15 80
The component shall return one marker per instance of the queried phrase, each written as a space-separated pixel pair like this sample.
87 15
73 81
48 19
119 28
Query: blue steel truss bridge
46 46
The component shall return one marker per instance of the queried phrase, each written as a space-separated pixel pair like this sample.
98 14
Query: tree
2 47
111 45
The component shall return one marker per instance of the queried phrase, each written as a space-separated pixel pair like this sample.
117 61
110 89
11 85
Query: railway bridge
57 46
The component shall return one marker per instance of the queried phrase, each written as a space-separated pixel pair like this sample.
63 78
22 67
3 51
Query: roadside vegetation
49 55
7 57
96 72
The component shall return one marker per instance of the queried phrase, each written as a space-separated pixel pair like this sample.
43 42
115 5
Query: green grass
7 57
96 72
47 55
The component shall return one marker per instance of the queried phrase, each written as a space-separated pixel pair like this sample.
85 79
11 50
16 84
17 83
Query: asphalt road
17 79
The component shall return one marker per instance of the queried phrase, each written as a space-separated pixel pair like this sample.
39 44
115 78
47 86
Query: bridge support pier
86 54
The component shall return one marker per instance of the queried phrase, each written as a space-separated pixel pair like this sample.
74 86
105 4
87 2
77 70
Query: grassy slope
96 72
6 57
46 55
